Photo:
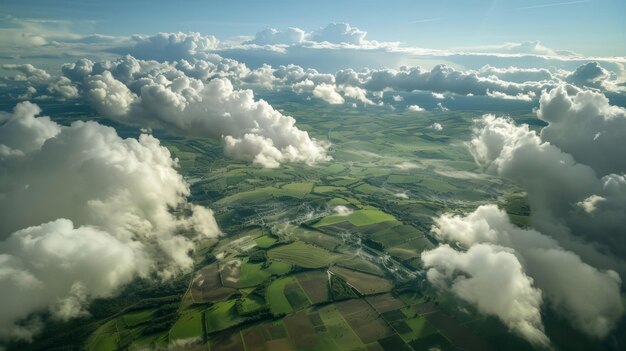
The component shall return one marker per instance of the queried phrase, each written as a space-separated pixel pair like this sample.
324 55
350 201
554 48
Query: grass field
314 237
252 274
303 255
358 218
366 284
265 241
315 285
276 295
221 316
413 326
135 318
298 190
338 330
105 338
188 325
250 304
278 268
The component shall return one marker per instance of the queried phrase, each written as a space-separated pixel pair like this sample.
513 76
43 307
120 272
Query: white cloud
443 79
491 278
338 33
80 217
402 195
436 126
171 46
442 108
555 182
515 74
584 124
328 93
356 93
414 108
520 96
571 285
271 36
154 95
398 98
407 165
60 86
341 210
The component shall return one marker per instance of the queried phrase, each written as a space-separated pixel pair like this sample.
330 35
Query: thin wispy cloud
426 20
553 5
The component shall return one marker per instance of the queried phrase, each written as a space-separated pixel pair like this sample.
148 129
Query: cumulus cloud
576 189
271 36
516 74
171 46
442 79
530 47
491 278
339 33
33 76
571 285
328 93
442 108
520 96
341 210
590 74
436 126
357 93
80 216
414 108
156 95
555 182
584 124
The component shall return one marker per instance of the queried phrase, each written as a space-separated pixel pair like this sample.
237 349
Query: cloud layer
154 95
588 297
82 213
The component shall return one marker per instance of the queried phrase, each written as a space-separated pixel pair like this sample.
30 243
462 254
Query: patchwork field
365 284
303 255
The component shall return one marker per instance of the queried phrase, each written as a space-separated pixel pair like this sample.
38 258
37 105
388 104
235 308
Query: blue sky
594 27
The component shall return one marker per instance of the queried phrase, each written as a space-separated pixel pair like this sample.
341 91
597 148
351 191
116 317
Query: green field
188 325
265 241
252 274
220 316
276 295
303 255
358 218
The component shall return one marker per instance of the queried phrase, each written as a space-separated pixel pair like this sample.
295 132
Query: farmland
290 272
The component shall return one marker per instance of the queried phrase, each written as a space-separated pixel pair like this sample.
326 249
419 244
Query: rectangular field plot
456 333
365 322
315 285
300 330
359 264
207 287
188 325
220 316
413 326
358 218
227 342
303 255
385 303
284 295
296 297
365 284
338 330
254 339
